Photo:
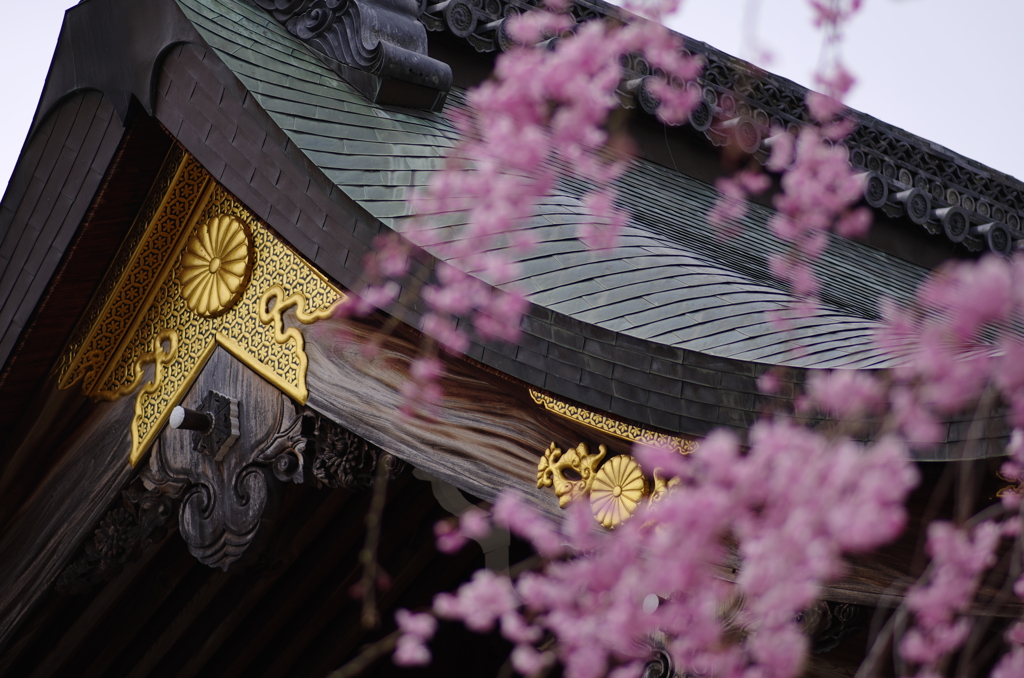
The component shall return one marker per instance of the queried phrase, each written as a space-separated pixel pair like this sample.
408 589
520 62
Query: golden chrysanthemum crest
613 485
216 266
617 490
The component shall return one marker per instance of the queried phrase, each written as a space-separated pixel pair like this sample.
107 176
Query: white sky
946 70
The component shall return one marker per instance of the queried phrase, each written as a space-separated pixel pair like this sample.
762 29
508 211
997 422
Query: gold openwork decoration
149 312
662 485
614 486
617 489
1015 487
570 473
619 429
216 265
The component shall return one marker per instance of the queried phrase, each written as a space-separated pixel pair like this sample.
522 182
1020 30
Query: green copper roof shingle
672 281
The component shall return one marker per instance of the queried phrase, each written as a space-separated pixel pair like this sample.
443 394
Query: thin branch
986 618
368 555
867 667
367 657
965 495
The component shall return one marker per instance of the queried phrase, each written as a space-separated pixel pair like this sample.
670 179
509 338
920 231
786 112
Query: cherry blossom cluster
780 516
819 188
1013 470
542 116
959 337
719 569
417 629
959 558
1011 664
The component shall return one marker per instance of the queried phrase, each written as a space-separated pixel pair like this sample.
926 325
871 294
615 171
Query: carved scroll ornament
571 474
224 503
219 506
614 486
382 39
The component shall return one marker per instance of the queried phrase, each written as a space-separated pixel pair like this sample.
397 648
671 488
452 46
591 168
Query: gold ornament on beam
617 490
571 473
216 266
619 429
197 271
614 486
662 485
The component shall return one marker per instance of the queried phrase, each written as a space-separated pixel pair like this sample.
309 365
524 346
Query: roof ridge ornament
377 46
745 103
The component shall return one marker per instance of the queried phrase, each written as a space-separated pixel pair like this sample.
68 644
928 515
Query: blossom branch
370 654
368 554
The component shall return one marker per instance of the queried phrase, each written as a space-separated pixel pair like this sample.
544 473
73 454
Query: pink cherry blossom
448 538
421 625
1011 665
769 382
731 205
411 651
783 151
779 509
528 661
515 628
823 108
480 602
417 629
770 499
845 393
958 559
855 223
511 512
475 523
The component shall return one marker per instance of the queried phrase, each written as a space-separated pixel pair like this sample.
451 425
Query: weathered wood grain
222 511
299 538
66 505
487 436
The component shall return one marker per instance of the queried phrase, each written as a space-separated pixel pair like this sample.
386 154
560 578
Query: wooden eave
687 387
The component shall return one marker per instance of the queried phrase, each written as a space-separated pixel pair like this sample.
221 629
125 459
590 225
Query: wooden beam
68 503
295 542
487 438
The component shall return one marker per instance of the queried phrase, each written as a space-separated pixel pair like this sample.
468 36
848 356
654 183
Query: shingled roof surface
672 281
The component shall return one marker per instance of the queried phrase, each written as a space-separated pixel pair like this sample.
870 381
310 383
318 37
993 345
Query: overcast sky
946 70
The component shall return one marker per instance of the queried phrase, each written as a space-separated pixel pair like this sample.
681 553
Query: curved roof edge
754 102
205 106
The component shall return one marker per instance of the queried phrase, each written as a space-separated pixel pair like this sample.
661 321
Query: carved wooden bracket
221 505
214 425
224 504
140 519
343 459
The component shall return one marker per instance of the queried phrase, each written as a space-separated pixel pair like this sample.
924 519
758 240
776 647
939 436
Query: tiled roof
671 282
669 330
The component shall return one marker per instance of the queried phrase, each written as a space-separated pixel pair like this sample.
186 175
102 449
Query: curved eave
328 171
